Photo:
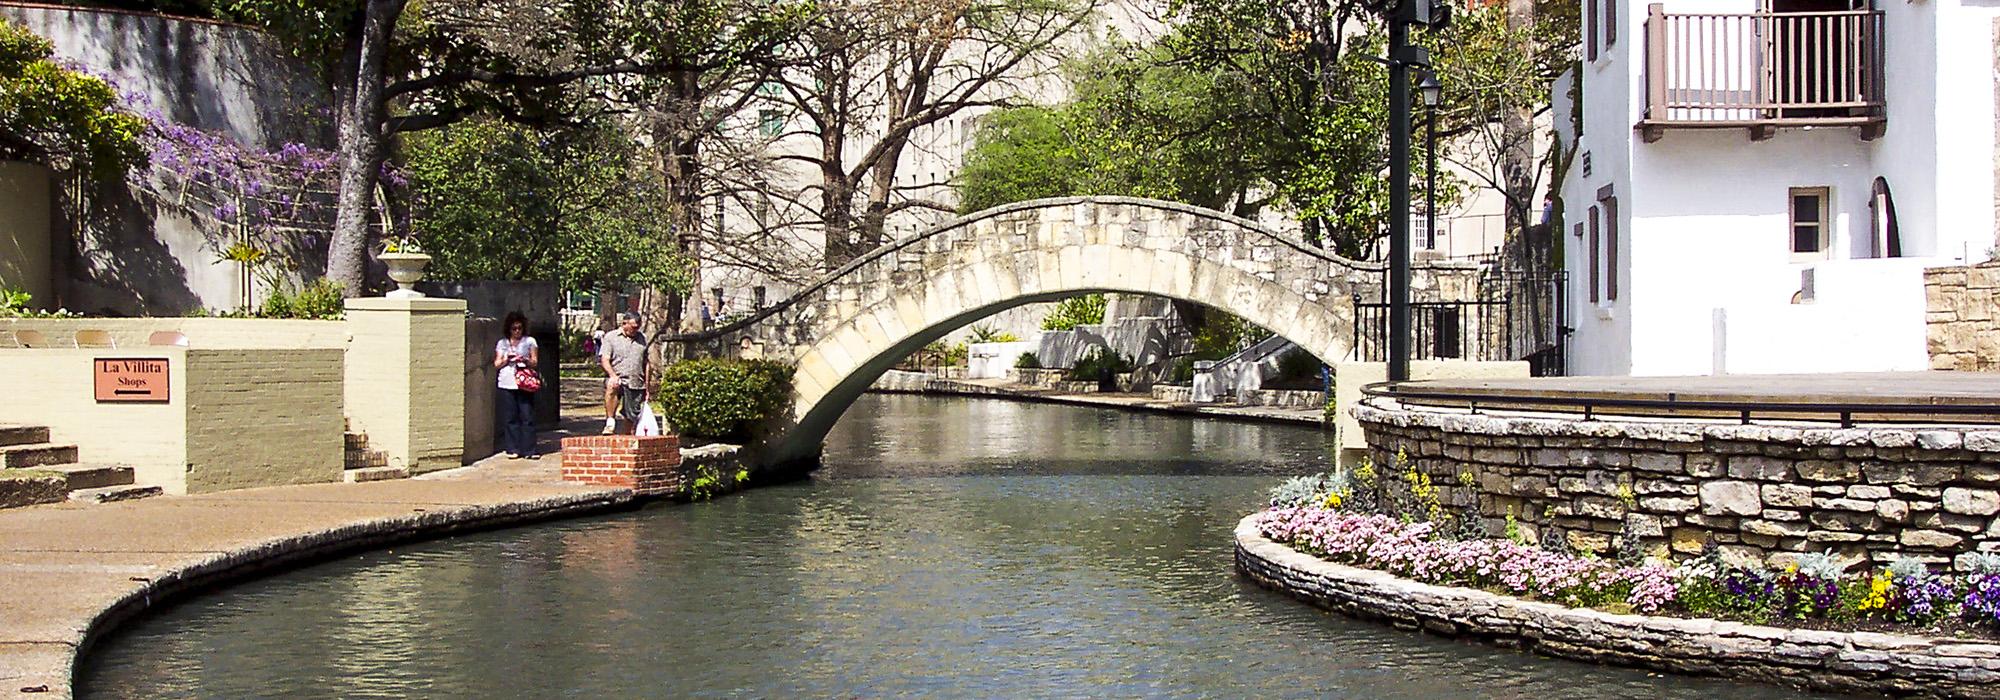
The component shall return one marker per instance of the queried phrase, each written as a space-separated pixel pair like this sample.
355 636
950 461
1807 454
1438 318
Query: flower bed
1387 548
1814 593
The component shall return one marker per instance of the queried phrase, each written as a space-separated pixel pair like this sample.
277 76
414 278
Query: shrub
724 398
989 334
1075 311
323 300
1098 364
14 304
573 345
1027 360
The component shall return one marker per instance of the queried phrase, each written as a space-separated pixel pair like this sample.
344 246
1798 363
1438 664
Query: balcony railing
1763 71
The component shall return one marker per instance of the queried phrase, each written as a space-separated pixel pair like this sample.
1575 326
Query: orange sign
132 380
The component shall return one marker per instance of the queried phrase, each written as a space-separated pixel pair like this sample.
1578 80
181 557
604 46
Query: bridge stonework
848 328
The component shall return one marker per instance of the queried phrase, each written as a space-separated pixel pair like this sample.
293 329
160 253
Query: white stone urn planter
407 269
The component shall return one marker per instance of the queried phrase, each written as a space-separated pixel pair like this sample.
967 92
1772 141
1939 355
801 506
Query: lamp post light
1433 93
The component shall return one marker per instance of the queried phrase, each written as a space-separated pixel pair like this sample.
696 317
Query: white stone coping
1390 412
1814 659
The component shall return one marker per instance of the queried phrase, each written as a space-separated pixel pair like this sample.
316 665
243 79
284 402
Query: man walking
623 356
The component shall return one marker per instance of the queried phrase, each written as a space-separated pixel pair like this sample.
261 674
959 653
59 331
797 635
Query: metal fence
1514 315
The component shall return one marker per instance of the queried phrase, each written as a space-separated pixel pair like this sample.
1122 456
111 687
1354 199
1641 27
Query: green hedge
724 398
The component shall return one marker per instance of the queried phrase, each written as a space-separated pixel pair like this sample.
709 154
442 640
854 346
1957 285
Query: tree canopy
578 206
59 116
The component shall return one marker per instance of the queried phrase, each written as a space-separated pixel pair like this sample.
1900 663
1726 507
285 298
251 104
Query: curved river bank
950 547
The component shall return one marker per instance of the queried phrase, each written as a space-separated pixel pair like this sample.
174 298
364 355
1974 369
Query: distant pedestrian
707 316
516 356
624 361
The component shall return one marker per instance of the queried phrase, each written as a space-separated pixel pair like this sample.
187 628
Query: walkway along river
950 547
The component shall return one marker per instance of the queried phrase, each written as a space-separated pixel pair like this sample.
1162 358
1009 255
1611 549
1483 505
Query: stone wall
1759 493
1864 662
1964 317
138 253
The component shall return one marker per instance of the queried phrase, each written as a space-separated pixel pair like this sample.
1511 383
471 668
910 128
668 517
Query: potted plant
405 260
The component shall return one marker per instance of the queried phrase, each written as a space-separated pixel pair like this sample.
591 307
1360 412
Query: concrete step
366 474
27 487
36 454
23 434
107 494
90 476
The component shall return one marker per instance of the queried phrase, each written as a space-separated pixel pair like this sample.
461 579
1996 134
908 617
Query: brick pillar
650 465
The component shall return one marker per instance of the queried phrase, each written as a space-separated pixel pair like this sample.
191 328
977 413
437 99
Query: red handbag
527 379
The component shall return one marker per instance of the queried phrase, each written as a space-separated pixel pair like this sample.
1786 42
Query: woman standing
517 356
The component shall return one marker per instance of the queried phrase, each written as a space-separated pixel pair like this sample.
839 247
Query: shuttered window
1596 257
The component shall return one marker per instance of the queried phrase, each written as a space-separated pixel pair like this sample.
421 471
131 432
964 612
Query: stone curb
195 574
1810 659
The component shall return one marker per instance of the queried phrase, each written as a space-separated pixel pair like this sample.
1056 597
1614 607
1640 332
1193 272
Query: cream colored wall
24 231
263 418
1350 377
212 333
55 388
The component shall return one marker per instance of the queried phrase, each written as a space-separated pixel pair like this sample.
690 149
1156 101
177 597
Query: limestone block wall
1759 493
1963 317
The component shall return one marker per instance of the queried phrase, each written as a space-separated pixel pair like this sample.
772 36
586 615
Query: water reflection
1021 551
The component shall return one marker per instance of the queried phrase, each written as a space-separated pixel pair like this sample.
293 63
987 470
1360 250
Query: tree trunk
881 188
679 145
360 148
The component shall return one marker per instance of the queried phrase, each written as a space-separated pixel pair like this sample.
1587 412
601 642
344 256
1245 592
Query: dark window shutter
1596 257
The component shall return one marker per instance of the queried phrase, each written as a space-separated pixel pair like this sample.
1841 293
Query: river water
950 547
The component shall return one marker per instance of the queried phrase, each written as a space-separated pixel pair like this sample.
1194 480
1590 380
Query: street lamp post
1399 195
1403 57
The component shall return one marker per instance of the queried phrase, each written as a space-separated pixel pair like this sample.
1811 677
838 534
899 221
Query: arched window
1882 222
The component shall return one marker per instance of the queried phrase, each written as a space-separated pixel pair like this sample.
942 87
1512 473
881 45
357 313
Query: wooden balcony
1763 71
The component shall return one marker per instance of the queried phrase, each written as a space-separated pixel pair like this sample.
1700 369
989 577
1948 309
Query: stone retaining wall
1759 493
1813 659
1281 398
1963 317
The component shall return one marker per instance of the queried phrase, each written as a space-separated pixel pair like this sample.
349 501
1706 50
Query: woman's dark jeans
517 422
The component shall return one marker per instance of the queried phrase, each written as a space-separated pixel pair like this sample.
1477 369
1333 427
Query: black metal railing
1439 330
1847 414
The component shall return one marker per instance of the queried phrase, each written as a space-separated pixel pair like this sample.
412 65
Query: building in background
1757 185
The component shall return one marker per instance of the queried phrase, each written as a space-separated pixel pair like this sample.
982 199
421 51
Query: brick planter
650 466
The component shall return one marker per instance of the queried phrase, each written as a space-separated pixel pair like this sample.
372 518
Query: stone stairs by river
33 469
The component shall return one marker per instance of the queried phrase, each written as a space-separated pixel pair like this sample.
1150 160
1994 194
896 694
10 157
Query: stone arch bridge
845 330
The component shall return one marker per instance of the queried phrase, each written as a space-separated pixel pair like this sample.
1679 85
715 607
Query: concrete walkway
1001 388
69 572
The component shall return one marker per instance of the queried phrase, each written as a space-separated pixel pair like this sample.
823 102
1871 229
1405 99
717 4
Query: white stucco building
1758 184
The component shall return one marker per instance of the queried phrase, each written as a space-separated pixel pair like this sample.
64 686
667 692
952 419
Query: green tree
578 206
57 116
400 67
1019 154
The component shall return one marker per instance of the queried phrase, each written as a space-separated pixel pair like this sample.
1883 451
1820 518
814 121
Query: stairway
364 464
27 448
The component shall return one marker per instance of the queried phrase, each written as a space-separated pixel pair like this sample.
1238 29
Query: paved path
71 571
1001 388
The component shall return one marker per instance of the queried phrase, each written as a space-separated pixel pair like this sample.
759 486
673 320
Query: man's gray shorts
629 401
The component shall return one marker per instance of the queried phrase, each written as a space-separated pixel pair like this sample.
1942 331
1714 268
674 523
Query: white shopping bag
648 425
